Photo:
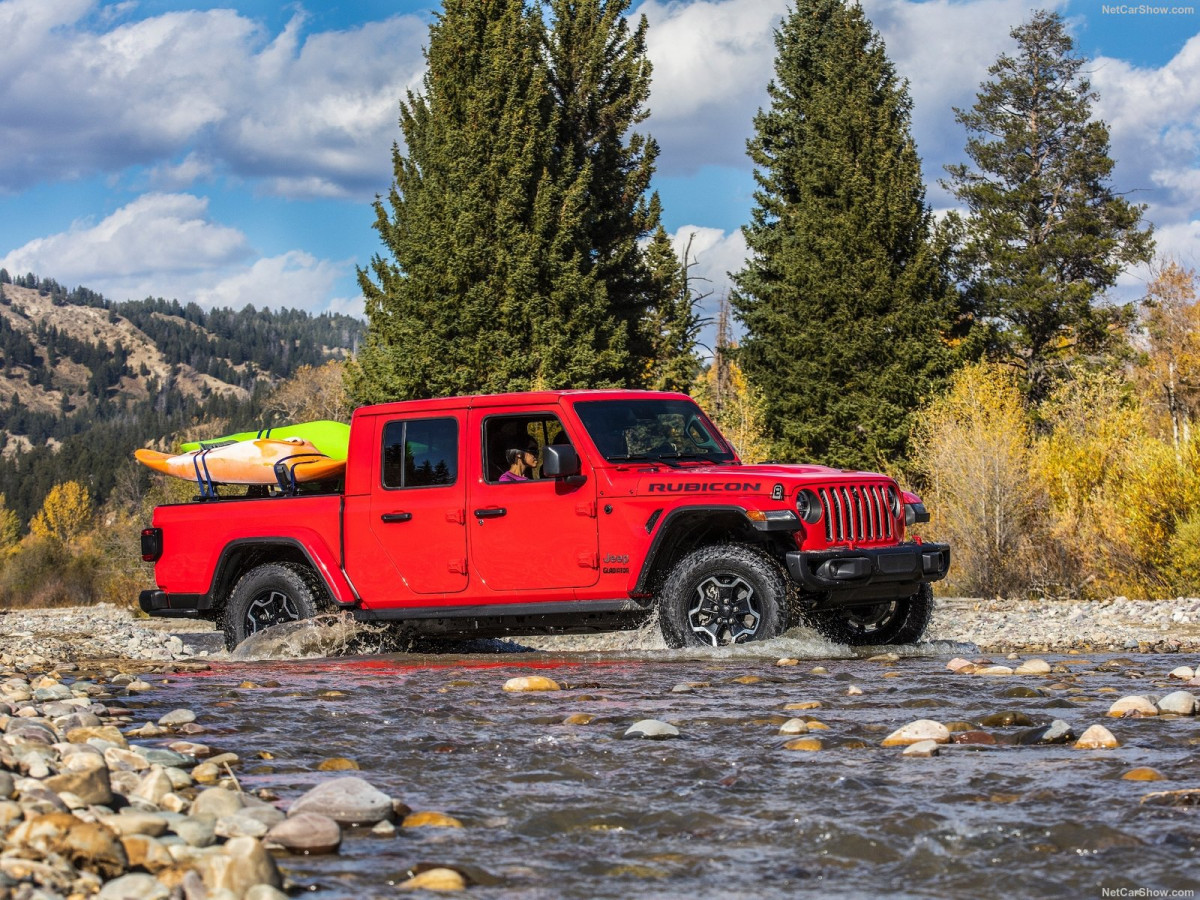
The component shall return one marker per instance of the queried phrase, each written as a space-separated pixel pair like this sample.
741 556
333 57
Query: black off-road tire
900 621
722 594
270 595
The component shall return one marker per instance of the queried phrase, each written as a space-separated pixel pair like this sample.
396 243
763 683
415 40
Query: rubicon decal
700 487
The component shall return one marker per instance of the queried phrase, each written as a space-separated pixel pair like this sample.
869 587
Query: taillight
152 544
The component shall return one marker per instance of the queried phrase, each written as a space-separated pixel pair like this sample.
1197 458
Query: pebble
429 819
652 729
532 683
1134 707
920 730
1097 737
809 744
1179 703
349 800
436 879
1143 773
305 833
794 726
922 749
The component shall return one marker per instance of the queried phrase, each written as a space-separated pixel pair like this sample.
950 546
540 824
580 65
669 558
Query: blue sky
229 154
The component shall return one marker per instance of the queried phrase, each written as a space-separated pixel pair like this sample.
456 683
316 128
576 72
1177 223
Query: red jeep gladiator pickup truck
555 511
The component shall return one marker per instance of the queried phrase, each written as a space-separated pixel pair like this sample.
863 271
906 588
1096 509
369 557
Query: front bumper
869 573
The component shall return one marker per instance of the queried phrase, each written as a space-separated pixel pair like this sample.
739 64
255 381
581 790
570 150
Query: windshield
669 431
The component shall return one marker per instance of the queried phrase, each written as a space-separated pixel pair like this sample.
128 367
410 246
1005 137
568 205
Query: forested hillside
84 381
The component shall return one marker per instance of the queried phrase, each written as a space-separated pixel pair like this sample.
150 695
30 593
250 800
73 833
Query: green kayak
331 438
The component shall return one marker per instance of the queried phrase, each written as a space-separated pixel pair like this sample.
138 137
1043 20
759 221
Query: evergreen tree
672 323
1045 233
600 78
513 224
844 299
466 217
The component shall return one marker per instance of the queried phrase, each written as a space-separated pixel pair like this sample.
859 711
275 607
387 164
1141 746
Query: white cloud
295 280
165 245
319 110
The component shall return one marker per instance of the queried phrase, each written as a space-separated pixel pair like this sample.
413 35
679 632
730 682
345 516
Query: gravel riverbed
107 792
1115 625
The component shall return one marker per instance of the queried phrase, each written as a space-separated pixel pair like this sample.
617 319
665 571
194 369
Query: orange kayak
263 461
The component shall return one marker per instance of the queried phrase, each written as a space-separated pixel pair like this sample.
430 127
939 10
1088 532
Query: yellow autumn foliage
973 447
66 513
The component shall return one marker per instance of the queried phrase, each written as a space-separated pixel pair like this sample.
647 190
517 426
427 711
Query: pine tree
600 78
672 324
467 218
845 303
518 203
1045 233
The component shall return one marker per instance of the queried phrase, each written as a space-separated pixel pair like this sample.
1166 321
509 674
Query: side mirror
560 461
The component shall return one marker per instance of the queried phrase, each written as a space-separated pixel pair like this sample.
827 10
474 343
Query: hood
745 480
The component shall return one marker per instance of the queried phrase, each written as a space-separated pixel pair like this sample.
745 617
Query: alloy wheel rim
270 608
725 609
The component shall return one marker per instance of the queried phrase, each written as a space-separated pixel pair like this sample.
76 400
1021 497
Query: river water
577 811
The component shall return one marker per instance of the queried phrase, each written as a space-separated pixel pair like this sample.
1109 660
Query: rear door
414 539
532 534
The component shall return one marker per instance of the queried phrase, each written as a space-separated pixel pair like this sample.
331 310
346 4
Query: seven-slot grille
856 512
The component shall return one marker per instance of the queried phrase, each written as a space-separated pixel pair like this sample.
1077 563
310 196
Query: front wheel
269 595
901 621
723 594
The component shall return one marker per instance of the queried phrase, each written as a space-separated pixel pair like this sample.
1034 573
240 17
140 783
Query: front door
527 532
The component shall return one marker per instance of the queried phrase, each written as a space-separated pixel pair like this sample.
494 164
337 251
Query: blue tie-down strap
204 480
286 475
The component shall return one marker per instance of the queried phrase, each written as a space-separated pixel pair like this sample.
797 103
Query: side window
512 445
420 453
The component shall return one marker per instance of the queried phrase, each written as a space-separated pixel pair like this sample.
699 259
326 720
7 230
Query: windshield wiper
637 457
701 457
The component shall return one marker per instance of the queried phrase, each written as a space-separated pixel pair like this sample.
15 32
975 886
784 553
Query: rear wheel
901 621
723 594
270 595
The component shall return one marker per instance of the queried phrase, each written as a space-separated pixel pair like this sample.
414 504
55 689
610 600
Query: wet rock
1033 667
920 730
787 661
305 833
348 801
437 879
854 691
794 726
177 717
337 764
1184 673
922 749
804 704
994 670
973 738
1006 719
1134 706
1143 773
1057 732
532 683
429 819
1021 692
1097 737
1179 703
808 744
653 729
579 719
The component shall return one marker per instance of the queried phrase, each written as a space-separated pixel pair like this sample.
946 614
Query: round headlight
808 506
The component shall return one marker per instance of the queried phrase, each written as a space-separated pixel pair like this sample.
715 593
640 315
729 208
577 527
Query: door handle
491 512
396 517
